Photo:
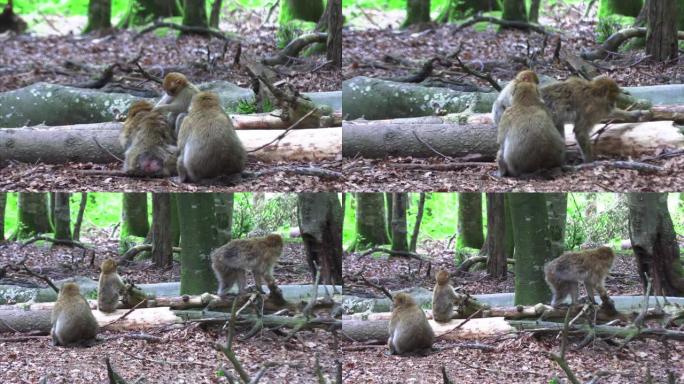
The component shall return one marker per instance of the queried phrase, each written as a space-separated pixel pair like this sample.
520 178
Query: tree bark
140 12
399 227
371 228
334 45
33 215
534 11
661 38
416 226
654 243
557 205
62 216
388 213
223 208
194 13
470 220
162 241
134 215
79 217
417 12
215 13
99 15
620 7
530 230
320 222
495 244
307 10
514 10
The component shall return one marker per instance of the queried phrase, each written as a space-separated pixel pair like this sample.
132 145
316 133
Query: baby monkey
409 329
178 93
443 297
590 266
109 287
257 254
72 320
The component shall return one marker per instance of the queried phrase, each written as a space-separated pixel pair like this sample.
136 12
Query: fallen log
630 332
365 330
79 143
378 139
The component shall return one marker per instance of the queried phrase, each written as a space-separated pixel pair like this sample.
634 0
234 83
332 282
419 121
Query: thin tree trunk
495 245
557 205
514 10
388 213
417 12
223 207
399 229
99 15
198 237
470 220
175 222
194 13
534 11
419 219
335 21
33 215
215 13
320 222
661 38
79 216
162 241
62 215
3 204
134 215
370 220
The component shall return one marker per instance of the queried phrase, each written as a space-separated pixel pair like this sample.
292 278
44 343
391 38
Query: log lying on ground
378 139
58 145
365 330
630 332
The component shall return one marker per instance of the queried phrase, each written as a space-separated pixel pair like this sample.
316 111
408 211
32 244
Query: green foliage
265 212
554 381
91 295
246 107
292 30
610 24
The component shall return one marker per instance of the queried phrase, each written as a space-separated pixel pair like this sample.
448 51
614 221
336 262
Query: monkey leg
581 130
589 285
259 281
574 291
182 172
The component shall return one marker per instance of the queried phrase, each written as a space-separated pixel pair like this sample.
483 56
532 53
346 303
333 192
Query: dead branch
615 40
504 23
294 47
620 164
187 29
468 70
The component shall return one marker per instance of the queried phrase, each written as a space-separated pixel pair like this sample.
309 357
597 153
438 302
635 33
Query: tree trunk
194 13
307 10
99 15
661 38
514 10
3 204
62 215
419 219
79 216
33 215
215 13
198 239
175 221
134 215
495 244
534 11
388 214
371 228
470 221
619 7
162 241
417 12
320 222
399 228
557 205
530 230
334 45
223 208
654 243
141 12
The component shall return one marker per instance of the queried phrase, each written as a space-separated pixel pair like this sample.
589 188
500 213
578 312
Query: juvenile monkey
257 254
136 112
443 297
409 329
527 137
208 144
582 103
590 266
72 320
109 287
178 93
505 98
152 151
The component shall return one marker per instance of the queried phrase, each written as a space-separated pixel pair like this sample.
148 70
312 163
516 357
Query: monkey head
603 86
205 100
174 82
527 76
403 300
139 106
442 277
69 290
273 240
526 94
108 266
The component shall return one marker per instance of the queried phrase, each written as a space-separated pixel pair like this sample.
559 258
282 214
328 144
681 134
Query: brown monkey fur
527 137
109 287
257 254
409 329
133 121
152 151
72 320
590 266
178 93
582 103
443 297
505 98
208 144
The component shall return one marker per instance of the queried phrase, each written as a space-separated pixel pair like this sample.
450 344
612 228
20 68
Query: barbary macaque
109 287
582 103
257 254
409 329
136 112
505 98
72 320
590 266
208 144
443 297
527 137
152 151
178 93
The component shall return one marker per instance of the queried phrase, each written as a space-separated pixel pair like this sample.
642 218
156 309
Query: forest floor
377 48
155 362
513 358
71 59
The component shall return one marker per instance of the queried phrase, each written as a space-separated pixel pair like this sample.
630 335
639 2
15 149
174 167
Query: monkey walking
591 266
257 254
72 320
409 330
443 297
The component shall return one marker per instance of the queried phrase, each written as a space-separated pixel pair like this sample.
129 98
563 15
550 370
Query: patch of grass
246 107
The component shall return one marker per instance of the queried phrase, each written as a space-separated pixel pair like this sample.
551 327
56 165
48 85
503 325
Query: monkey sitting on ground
152 151
590 266
136 112
208 144
443 297
527 137
409 329
72 320
582 103
178 93
109 287
505 98
257 254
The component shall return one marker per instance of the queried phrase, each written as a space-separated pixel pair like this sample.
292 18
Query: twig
394 253
107 150
376 286
125 314
560 357
282 135
442 167
429 146
620 164
478 74
306 171
42 277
